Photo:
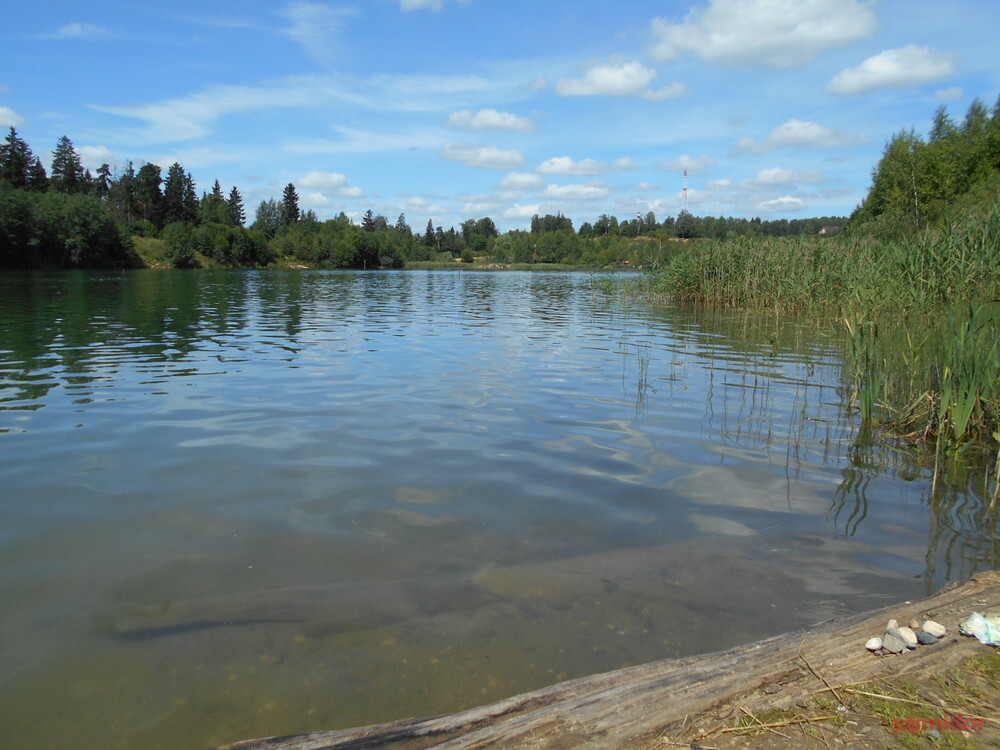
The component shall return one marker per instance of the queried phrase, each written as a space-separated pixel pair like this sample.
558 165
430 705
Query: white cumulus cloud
92 157
617 78
783 176
784 203
577 192
688 162
564 165
763 33
671 91
315 200
518 211
10 119
490 119
322 180
799 133
521 181
486 157
894 69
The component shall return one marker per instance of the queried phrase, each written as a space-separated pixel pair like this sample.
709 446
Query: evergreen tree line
57 220
918 181
70 218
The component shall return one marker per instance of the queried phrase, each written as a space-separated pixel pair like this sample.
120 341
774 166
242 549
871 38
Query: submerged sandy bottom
476 636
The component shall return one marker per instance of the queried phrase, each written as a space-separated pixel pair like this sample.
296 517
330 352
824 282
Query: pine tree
175 195
289 205
149 195
15 160
122 196
429 238
191 202
214 209
368 221
237 214
67 174
102 183
38 181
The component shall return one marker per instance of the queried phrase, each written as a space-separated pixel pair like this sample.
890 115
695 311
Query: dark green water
237 504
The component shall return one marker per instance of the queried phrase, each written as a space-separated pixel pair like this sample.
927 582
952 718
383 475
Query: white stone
874 644
892 624
934 628
908 636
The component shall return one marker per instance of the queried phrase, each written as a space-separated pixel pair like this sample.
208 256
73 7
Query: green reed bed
922 315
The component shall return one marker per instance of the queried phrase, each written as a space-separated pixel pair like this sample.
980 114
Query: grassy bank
921 314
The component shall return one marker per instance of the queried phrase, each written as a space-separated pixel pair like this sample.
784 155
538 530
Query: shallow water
240 504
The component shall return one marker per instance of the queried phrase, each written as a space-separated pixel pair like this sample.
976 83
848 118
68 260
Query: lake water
238 504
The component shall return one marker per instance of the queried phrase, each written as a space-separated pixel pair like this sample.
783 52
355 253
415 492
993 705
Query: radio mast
684 194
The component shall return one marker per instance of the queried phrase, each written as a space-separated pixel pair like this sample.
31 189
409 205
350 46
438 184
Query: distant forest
70 218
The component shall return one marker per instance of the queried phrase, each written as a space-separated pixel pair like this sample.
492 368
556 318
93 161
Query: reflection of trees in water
755 402
963 531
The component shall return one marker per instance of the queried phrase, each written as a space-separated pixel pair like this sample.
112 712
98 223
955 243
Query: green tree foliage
59 230
916 180
685 225
102 183
268 218
477 233
213 208
38 180
67 175
18 228
16 160
180 201
148 195
180 240
289 205
550 223
605 225
237 213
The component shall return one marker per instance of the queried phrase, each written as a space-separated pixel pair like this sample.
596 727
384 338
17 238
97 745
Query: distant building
830 229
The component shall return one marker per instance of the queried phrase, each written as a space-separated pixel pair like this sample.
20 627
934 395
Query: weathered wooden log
608 710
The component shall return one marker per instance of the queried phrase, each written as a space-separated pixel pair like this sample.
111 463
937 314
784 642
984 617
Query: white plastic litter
986 629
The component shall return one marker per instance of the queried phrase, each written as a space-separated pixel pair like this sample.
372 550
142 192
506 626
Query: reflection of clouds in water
249 431
755 487
716 525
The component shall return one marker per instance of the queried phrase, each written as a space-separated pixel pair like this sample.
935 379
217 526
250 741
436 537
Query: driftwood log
628 705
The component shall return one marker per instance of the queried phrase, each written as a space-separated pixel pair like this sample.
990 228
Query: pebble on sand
908 636
893 643
934 628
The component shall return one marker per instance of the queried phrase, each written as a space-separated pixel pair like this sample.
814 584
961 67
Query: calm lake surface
238 504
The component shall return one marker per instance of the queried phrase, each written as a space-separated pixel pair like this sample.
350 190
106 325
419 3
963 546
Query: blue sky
456 109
